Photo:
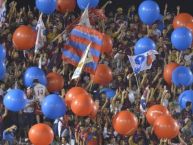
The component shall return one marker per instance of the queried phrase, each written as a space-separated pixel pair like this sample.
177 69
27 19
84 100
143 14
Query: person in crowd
125 29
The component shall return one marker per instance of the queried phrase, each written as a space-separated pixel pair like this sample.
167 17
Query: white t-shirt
40 92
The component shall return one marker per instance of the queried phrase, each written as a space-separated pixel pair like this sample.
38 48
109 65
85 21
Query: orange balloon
95 108
190 27
82 105
181 20
169 68
41 134
154 112
166 127
125 123
73 93
103 75
64 6
24 38
107 44
55 82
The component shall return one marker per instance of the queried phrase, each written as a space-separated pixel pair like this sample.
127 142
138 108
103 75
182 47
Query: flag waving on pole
142 61
86 58
80 37
40 35
84 20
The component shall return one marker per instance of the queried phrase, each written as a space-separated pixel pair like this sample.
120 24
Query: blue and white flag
40 28
142 61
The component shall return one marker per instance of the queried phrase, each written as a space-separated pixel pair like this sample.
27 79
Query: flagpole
138 86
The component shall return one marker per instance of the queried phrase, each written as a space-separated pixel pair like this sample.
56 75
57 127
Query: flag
80 37
84 20
142 61
40 35
2 13
85 59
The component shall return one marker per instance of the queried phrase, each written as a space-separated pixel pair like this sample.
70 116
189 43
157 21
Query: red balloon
169 68
154 112
64 6
82 105
125 123
55 82
107 44
95 108
190 27
181 20
24 38
103 75
41 134
165 127
73 93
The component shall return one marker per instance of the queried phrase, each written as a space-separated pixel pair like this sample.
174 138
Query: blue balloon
149 12
46 6
82 4
53 106
2 70
143 45
15 100
108 92
186 96
181 38
2 53
182 76
33 73
139 59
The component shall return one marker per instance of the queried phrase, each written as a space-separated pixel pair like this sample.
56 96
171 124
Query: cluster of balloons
186 96
143 45
24 38
164 125
168 70
182 35
149 12
49 6
178 75
80 102
103 75
125 123
2 63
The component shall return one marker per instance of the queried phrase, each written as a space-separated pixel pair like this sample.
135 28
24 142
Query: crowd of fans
125 29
